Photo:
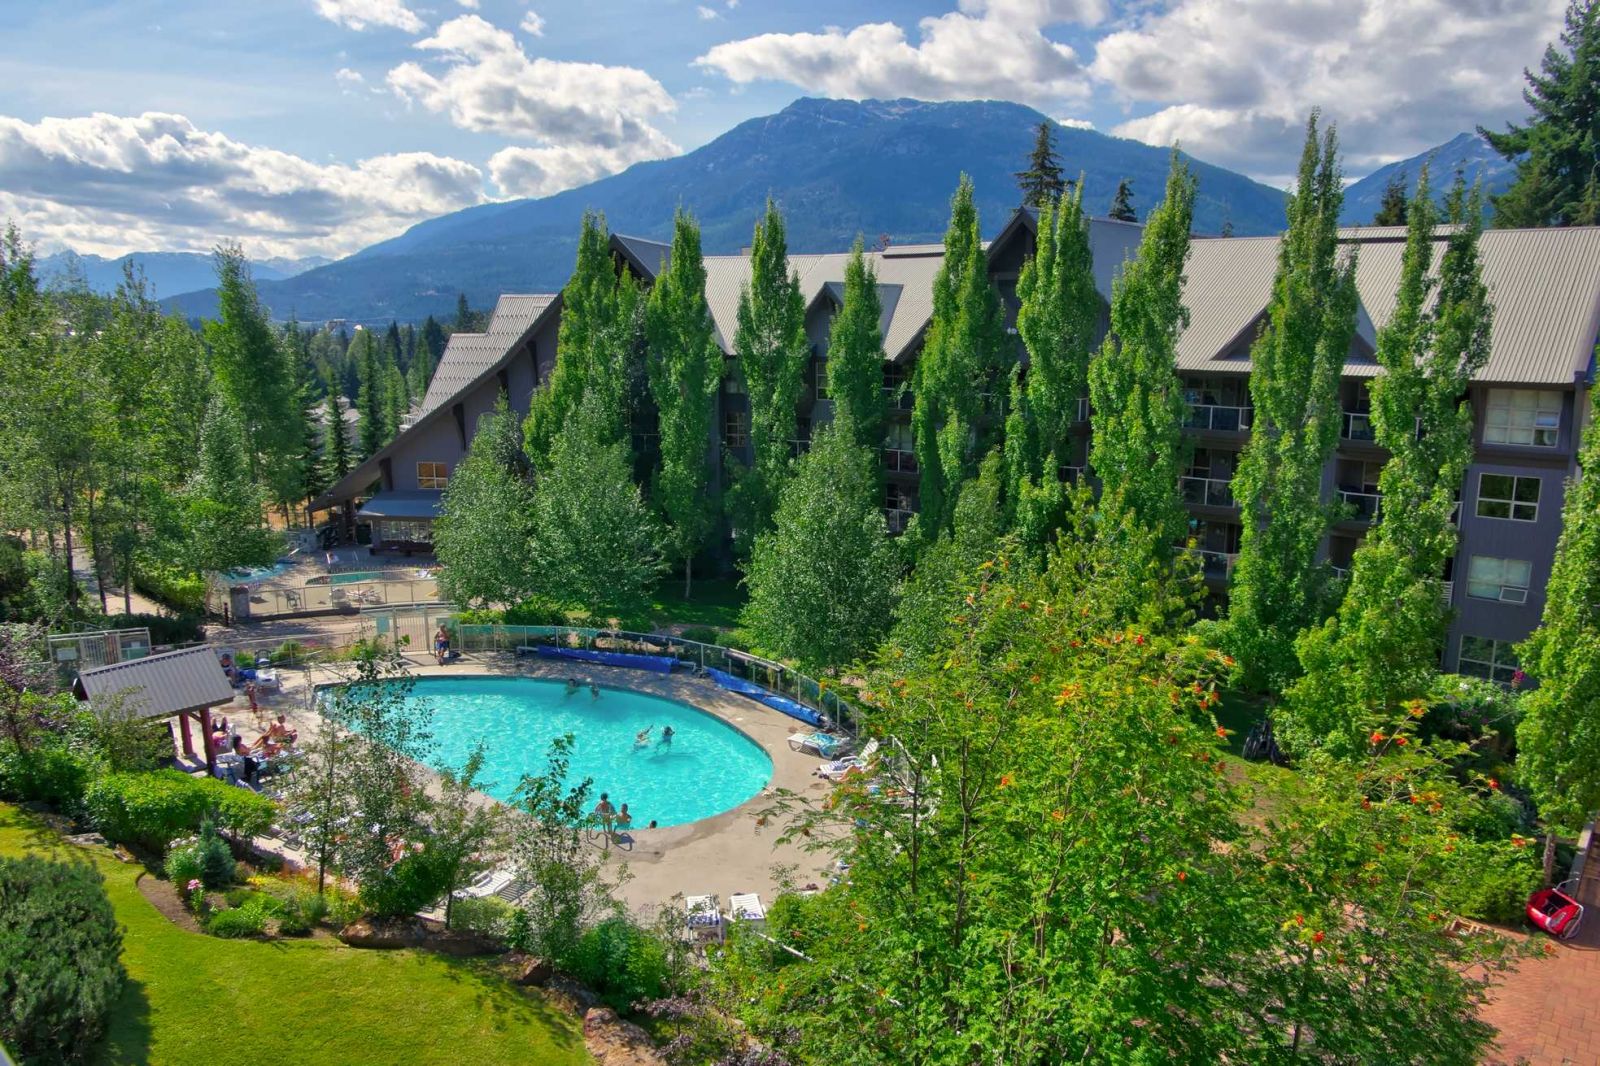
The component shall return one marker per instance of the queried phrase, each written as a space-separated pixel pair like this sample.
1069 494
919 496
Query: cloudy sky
304 127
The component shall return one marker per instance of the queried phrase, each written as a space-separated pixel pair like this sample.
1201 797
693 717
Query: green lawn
192 998
715 602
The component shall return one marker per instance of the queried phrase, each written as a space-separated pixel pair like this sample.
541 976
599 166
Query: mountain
836 167
1466 152
169 273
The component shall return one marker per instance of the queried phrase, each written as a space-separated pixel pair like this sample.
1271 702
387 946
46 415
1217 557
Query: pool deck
723 854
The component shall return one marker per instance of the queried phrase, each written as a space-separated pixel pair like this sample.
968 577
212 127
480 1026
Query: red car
1555 911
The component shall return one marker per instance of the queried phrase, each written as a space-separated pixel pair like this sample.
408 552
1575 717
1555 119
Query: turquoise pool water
260 573
709 767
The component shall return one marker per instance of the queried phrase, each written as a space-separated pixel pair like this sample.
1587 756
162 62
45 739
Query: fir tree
1392 211
1042 182
1368 666
1136 404
685 367
962 368
1558 739
336 457
771 346
433 339
465 320
1057 319
855 355
373 421
1122 203
484 533
1277 588
1557 152
253 370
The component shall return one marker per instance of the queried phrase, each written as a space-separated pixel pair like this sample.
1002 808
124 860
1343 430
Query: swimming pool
251 574
709 767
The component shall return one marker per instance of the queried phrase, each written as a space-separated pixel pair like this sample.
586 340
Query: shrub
183 865
535 612
303 910
342 909
215 858
1503 878
237 922
519 931
620 961
170 585
181 628
153 809
411 884
290 651
60 967
488 916
701 634
47 773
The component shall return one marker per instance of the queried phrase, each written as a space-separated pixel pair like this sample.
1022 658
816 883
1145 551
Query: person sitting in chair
280 730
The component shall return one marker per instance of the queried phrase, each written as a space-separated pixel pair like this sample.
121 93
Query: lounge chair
746 907
488 883
838 769
703 919
818 743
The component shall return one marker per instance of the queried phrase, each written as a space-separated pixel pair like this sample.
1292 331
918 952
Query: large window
1493 659
1523 416
401 531
819 375
736 429
432 475
1505 580
1508 496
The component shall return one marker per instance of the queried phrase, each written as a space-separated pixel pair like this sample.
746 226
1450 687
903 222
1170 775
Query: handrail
1223 418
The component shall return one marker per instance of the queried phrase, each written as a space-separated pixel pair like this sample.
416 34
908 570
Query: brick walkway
1548 1009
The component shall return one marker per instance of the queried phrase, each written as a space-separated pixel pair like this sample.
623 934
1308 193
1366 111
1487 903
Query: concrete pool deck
723 854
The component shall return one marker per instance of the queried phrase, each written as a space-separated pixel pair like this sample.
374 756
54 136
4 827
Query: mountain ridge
169 274
1466 152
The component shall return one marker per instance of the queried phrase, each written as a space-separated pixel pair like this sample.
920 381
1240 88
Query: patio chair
488 883
838 769
818 743
746 908
703 919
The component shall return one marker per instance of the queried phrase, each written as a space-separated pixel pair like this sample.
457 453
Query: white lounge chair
824 745
703 919
746 907
488 883
839 768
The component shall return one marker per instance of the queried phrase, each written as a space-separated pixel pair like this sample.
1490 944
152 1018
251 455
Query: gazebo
178 683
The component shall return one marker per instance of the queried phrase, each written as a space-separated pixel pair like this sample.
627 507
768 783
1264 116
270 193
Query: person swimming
594 690
572 685
666 735
642 737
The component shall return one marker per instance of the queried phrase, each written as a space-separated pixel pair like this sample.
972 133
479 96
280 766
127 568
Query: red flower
1493 783
1221 732
1138 638
1005 780
1182 876
1402 741
1376 738
1316 938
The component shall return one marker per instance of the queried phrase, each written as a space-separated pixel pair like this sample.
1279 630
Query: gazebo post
183 727
211 753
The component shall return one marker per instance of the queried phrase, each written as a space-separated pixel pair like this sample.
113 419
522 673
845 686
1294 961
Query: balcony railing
1216 564
1357 425
1069 473
899 462
898 518
1083 409
1218 417
1365 504
1206 491
1447 591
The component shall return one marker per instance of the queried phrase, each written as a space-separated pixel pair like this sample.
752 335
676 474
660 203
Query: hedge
60 966
49 773
153 809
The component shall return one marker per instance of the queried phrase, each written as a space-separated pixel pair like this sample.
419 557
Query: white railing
1083 409
1365 504
323 596
1206 491
1357 425
1216 563
1447 591
1217 417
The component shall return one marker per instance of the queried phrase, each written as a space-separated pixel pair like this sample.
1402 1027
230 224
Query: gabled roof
160 685
469 360
646 257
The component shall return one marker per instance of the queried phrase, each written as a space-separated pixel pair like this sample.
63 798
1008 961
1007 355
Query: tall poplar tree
961 370
855 355
1278 587
1381 651
1558 739
1059 312
685 367
1042 182
770 343
1136 403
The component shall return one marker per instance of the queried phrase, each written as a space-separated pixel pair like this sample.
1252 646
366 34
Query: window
1506 496
432 475
400 531
819 369
899 448
736 429
1523 416
1505 580
1493 659
733 379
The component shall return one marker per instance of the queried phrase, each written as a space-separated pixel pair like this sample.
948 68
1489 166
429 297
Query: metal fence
324 597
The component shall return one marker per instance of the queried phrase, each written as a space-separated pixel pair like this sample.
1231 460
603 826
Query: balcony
1217 418
1357 426
1216 565
1206 491
1447 591
1083 409
1069 474
1365 505
896 461
898 518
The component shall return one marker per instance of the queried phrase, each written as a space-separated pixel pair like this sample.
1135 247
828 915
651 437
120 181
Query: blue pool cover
792 708
661 664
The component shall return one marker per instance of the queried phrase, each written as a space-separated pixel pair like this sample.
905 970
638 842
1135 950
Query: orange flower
1402 741
1138 638
1376 738
1299 919
1221 732
1493 783
1059 815
1034 679
1366 804
1182 876
1005 780
1227 660
1317 937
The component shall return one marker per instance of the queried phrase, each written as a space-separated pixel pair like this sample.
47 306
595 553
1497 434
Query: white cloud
519 171
110 184
706 14
1075 123
470 5
1235 79
349 78
533 24
359 14
588 119
989 48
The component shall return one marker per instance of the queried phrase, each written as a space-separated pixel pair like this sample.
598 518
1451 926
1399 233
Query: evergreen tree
336 458
1042 182
1392 211
393 347
396 396
1558 739
855 355
1136 404
599 306
433 339
373 421
821 582
771 346
484 533
465 319
1378 657
685 367
963 365
1057 319
1277 589
222 505
1557 152
1122 203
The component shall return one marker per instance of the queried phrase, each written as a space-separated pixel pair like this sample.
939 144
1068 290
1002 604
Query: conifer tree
771 346
336 457
420 373
1059 312
855 355
1122 203
433 339
223 526
962 368
1558 739
465 319
1369 664
1392 211
369 400
1136 405
685 368
1042 182
1278 587
1557 152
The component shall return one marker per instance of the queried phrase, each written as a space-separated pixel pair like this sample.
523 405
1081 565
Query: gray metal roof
410 503
160 685
649 257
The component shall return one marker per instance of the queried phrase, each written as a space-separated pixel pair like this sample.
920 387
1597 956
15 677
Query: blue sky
304 127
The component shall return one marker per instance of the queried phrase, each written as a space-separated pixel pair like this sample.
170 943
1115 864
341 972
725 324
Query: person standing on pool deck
606 813
441 644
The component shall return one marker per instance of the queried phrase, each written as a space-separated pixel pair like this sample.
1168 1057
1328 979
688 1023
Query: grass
191 998
1238 713
715 602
